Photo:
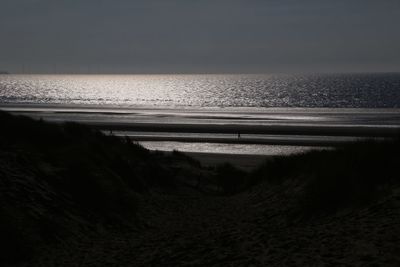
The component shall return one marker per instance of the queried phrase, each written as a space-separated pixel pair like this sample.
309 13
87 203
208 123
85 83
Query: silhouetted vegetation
61 180
57 179
346 177
179 155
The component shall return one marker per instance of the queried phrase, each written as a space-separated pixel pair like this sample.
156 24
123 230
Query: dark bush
348 176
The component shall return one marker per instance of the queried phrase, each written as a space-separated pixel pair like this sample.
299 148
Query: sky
199 36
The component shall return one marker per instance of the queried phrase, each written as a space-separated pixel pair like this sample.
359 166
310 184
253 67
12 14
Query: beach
187 185
296 127
199 133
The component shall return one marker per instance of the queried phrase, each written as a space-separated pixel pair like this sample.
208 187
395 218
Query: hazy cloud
199 36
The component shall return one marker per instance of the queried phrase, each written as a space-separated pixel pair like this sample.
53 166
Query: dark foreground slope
60 182
71 196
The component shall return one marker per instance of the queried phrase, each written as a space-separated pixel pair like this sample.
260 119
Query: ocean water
221 148
178 91
204 113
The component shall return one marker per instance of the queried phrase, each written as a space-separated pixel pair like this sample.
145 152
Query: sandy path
245 230
179 230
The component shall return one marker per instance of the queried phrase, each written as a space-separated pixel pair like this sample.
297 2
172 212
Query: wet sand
267 121
276 126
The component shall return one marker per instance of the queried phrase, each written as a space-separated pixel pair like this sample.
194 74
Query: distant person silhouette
238 135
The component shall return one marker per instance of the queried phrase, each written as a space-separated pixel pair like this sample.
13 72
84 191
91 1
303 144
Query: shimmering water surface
322 90
199 106
220 148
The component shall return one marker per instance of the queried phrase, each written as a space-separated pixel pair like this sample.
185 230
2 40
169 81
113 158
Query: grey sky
190 36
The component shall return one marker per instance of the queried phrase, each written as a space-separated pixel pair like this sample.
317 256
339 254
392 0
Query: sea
263 114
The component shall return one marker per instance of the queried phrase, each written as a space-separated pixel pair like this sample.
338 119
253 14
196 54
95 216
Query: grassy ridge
347 177
60 180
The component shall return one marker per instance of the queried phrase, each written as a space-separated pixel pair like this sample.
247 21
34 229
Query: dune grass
59 179
346 177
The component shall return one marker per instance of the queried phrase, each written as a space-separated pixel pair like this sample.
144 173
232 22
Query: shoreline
11 107
284 140
263 126
178 125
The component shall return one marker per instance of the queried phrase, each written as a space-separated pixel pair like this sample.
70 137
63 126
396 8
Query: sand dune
72 196
249 229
